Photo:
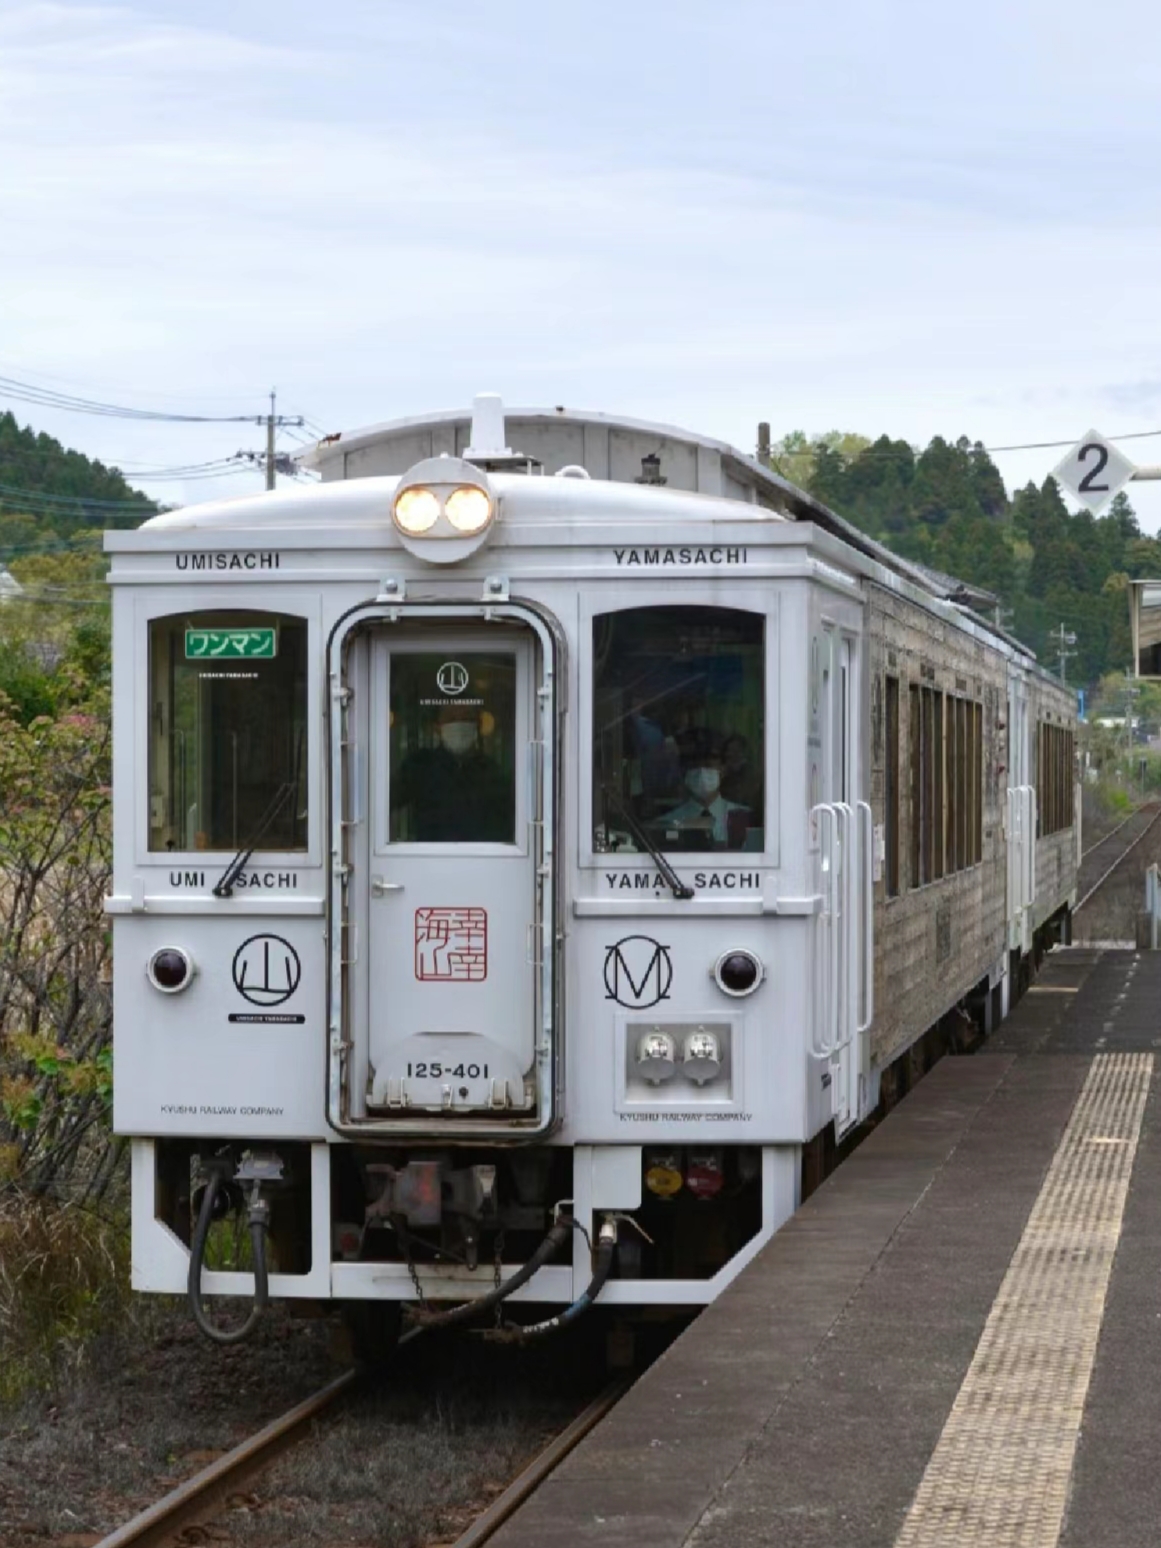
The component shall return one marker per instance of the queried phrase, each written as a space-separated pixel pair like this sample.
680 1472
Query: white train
531 859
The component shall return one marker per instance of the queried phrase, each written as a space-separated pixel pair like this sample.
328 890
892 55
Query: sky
896 217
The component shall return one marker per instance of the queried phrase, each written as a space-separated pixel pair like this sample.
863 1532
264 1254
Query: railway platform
956 1341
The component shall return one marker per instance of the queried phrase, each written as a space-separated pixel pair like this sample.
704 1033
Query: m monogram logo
638 972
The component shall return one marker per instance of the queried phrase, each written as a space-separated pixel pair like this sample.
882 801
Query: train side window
926 733
679 729
227 731
916 759
947 792
978 783
891 791
964 719
1054 779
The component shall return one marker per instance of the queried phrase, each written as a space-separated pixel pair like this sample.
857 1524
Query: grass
412 1462
64 1279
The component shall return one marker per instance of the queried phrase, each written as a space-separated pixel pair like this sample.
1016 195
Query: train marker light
663 1173
738 973
170 969
704 1173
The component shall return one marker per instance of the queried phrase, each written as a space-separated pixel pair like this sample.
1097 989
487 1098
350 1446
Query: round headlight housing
416 510
468 509
738 972
443 509
170 969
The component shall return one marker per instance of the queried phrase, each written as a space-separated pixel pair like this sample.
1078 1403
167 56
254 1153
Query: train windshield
227 743
679 730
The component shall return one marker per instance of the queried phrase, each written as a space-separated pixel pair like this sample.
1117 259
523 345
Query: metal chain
405 1243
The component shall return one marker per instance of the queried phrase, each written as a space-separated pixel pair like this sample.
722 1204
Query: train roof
541 440
631 467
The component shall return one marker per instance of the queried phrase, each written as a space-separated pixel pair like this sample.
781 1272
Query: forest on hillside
947 507
49 494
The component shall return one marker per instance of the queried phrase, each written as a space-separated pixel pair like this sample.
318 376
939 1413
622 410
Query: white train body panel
369 989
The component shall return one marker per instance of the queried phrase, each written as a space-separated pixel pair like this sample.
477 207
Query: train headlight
444 509
415 511
170 969
701 1056
468 510
738 973
656 1055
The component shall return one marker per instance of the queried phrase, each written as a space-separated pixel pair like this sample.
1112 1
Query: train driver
706 811
454 791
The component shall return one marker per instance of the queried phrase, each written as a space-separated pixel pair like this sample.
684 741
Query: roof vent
651 470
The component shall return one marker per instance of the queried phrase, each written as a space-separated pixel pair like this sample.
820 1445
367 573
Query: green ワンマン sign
230 644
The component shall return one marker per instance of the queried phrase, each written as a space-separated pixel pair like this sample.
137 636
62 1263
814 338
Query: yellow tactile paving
998 1477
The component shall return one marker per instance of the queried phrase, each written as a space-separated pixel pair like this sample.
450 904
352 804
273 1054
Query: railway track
1151 810
1092 848
203 1495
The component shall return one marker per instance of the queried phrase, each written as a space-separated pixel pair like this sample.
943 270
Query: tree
947 507
55 1007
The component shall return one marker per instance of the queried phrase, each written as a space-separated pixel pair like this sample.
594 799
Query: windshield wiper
639 836
225 887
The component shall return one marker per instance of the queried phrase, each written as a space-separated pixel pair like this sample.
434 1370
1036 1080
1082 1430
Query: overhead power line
809 447
9 492
49 397
1129 435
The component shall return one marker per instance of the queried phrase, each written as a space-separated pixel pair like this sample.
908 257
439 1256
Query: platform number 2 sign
1094 470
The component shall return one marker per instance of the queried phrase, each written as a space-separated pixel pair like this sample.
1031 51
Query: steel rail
1119 861
202 1495
198 1496
1092 848
527 1482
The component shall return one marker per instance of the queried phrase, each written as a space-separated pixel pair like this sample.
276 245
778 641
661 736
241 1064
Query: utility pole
1130 694
1065 638
270 446
273 421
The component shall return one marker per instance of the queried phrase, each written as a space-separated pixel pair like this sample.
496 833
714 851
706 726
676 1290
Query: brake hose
557 1236
258 1218
512 1333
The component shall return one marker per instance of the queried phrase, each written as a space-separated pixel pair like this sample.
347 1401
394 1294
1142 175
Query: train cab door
843 824
447 985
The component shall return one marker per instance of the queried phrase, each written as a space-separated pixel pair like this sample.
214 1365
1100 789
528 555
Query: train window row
945 752
1054 778
679 696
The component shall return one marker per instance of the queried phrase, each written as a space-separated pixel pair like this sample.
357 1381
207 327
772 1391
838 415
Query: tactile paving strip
998 1477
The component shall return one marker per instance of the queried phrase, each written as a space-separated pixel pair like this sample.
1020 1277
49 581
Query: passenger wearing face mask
452 792
706 812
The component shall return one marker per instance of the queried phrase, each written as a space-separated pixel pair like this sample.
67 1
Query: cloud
1143 397
816 216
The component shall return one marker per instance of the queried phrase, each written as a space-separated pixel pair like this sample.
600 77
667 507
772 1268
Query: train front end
467 890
